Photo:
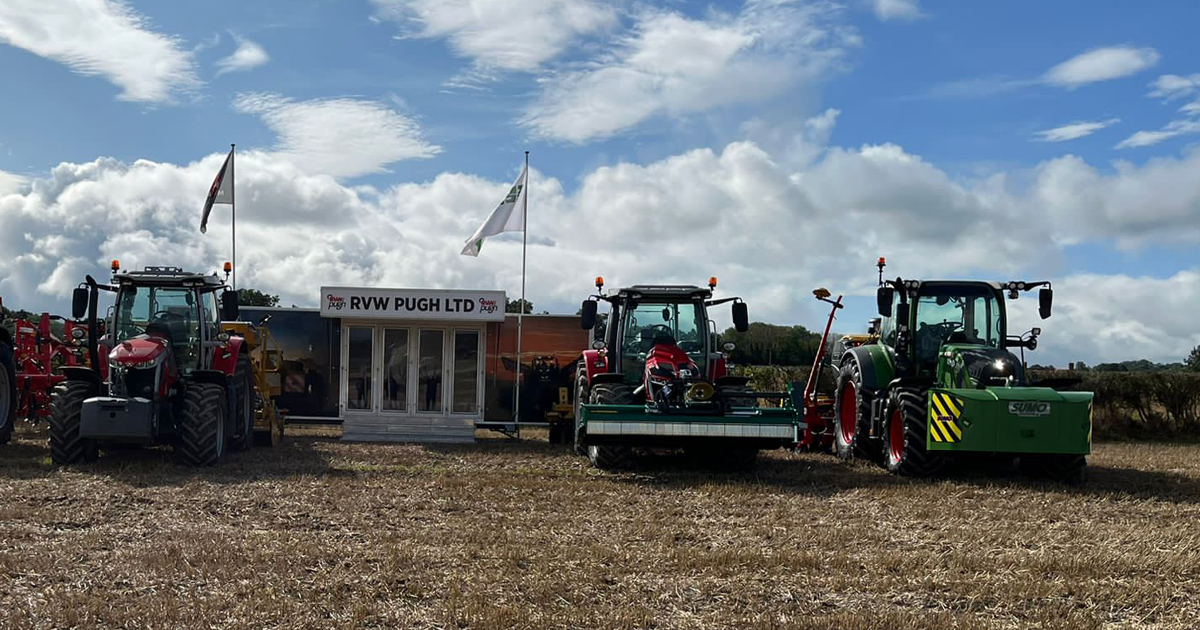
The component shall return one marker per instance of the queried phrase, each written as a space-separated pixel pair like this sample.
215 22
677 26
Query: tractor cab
665 326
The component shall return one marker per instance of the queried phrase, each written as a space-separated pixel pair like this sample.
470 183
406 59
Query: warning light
881 262
228 267
599 282
116 265
712 282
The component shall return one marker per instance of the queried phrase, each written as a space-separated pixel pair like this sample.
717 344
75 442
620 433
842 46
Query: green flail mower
939 380
656 378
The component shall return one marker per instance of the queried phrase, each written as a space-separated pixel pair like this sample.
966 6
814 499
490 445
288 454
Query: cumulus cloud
672 64
498 35
249 55
102 38
1075 130
896 9
1101 64
339 137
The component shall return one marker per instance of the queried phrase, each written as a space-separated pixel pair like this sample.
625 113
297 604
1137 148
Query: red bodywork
225 360
669 357
38 354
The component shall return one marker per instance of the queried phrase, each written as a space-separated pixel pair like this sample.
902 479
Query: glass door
430 370
359 366
394 382
465 388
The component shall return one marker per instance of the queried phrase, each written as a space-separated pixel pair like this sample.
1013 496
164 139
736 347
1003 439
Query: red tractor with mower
174 374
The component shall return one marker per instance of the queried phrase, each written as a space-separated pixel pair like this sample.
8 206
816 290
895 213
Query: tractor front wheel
581 394
611 457
904 434
8 393
243 423
851 414
202 426
66 407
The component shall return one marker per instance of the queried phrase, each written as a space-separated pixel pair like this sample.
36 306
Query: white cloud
770 231
102 38
674 65
1101 64
1172 86
249 55
339 137
1078 129
1148 138
502 35
896 9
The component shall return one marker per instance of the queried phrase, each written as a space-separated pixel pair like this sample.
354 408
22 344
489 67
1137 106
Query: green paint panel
1020 420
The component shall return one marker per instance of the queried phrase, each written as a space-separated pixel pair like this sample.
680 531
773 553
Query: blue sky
783 143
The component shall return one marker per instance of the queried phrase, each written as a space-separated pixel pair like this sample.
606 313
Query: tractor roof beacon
940 380
169 371
658 378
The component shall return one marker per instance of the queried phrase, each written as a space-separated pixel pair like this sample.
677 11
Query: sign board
441 304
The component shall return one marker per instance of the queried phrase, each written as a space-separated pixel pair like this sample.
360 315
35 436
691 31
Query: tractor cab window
652 323
164 312
956 314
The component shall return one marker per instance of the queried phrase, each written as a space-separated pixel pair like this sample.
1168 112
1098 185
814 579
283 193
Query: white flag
221 190
509 216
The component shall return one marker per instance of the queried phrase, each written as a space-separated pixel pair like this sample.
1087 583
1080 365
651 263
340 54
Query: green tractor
940 379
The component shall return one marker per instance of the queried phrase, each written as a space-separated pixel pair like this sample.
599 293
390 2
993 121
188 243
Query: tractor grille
140 383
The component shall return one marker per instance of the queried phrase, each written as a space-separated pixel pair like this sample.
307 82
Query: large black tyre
736 396
66 405
8 393
243 424
202 425
581 394
852 415
615 456
904 435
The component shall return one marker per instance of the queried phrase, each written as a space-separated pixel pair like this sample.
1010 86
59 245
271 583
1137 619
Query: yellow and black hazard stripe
944 414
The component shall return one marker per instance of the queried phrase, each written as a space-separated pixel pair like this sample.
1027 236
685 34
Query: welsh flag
509 216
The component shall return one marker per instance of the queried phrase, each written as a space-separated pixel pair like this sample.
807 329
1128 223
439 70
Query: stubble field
522 534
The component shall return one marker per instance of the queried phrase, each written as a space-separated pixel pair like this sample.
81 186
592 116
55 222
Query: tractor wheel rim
848 424
896 436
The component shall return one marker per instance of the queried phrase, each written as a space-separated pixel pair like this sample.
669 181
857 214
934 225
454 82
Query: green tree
1193 360
518 306
254 297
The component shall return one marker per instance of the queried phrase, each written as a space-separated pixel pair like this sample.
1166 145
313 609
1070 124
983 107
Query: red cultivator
37 354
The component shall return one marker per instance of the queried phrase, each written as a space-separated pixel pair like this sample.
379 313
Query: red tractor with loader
659 380
171 373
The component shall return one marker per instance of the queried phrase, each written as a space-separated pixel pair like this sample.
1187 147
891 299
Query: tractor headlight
78 333
999 366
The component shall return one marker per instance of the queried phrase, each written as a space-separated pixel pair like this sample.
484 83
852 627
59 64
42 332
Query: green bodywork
1008 418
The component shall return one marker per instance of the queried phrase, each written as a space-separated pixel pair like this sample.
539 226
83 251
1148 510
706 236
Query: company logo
336 303
1030 409
488 306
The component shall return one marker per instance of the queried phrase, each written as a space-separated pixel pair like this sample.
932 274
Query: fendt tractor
939 379
171 372
658 379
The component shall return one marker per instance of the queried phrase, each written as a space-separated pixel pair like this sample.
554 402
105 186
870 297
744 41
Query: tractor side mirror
1045 301
79 303
902 314
741 317
587 315
229 305
883 299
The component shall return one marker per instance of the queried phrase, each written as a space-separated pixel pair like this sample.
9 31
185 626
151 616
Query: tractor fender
80 373
212 377
718 368
226 358
608 377
873 364
593 364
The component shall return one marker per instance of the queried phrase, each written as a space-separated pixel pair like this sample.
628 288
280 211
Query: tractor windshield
956 314
682 323
170 313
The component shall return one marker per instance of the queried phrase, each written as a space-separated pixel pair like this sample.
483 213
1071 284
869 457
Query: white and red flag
221 190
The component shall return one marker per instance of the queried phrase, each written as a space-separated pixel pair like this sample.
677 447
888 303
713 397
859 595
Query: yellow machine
266 359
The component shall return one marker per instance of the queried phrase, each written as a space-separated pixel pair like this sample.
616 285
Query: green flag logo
513 194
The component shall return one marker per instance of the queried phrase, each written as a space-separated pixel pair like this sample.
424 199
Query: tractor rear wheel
904 435
243 424
66 407
8 393
581 394
202 425
610 457
736 396
851 414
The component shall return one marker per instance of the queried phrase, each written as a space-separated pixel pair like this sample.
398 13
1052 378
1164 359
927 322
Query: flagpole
521 304
233 207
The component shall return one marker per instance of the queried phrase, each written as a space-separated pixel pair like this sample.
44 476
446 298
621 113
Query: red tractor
174 374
